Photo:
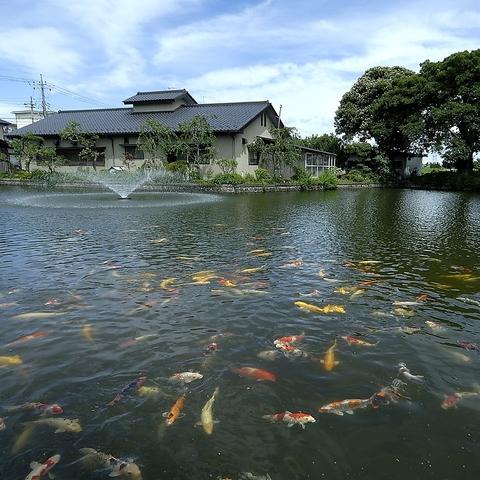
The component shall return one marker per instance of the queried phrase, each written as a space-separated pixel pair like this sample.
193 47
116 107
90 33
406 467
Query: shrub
228 178
227 165
263 176
249 178
448 180
180 166
328 180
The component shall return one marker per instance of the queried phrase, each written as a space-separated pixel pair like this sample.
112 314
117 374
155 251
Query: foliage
361 175
452 116
26 149
263 176
448 180
179 166
196 141
227 165
48 157
73 132
128 160
156 141
228 178
432 167
282 150
383 105
328 180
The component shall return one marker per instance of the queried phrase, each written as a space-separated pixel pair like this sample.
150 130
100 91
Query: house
235 126
5 128
27 117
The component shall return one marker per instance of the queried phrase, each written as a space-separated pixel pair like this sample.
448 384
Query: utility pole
31 105
42 90
279 115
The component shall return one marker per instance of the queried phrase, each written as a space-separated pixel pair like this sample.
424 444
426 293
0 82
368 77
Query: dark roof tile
159 96
223 117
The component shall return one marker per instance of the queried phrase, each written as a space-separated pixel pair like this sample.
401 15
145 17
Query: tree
384 105
282 150
48 156
73 132
197 141
156 141
452 116
26 149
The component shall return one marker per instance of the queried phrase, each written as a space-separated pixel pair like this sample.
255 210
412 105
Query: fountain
124 183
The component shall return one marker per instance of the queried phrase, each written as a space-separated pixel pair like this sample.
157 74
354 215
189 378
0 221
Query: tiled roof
4 122
223 117
159 96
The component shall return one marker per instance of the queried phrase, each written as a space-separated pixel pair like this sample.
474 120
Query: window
253 157
263 119
316 163
134 152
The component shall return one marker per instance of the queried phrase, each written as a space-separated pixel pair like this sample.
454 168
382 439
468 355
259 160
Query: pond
97 294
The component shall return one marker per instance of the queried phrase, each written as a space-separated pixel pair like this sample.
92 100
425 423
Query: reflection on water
94 299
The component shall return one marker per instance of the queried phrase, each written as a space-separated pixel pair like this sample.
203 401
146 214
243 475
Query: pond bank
191 187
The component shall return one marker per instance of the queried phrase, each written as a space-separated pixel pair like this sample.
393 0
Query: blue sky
301 54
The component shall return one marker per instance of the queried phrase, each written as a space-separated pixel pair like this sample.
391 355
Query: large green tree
26 149
327 142
156 141
384 105
74 133
451 90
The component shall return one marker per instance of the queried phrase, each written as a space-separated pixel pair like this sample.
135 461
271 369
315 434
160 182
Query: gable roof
4 122
160 96
222 117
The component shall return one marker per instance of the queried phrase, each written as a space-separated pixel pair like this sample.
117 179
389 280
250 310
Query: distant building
27 117
235 125
406 164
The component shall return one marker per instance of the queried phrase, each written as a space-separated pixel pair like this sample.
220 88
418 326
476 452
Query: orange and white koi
27 338
293 264
452 400
357 341
279 342
329 359
224 282
291 418
345 406
43 408
174 413
257 374
40 469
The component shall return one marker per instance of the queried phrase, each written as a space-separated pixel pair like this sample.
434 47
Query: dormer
160 101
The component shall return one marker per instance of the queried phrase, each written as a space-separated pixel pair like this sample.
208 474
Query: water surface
103 261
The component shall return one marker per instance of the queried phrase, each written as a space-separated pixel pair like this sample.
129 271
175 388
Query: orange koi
27 338
344 406
357 341
422 298
256 373
172 416
329 359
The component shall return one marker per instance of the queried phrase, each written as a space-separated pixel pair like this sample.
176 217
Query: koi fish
434 325
462 277
387 395
137 340
291 352
52 301
269 355
405 303
2 423
357 341
322 274
220 336
128 389
422 298
152 392
404 312
40 469
61 425
349 290
36 315
118 467
174 413
87 331
204 277
27 338
291 418
466 345
288 340
206 417
10 360
252 270
367 283
227 283
469 300
185 377
210 348
312 293
316 309
158 241
344 406
166 283
405 372
329 359
257 374
43 408
452 400
293 264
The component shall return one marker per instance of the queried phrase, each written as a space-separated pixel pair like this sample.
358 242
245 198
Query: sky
302 54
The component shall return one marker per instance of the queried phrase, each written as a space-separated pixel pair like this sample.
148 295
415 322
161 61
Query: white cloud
41 50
